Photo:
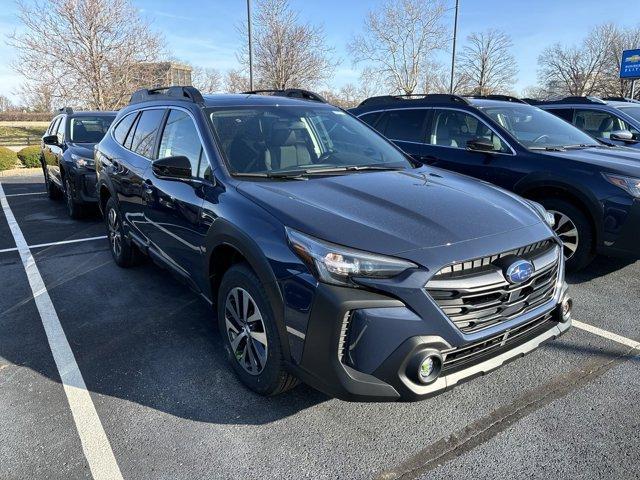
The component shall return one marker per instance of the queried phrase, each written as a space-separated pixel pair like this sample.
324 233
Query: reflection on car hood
84 150
612 159
392 212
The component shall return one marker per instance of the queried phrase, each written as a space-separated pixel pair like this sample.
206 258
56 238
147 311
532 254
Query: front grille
461 358
475 294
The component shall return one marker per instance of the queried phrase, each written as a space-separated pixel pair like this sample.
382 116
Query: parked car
329 255
614 121
592 190
67 157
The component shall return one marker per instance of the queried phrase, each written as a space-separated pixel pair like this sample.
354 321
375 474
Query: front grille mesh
458 359
477 295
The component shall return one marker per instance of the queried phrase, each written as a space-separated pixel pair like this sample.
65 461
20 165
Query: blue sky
203 32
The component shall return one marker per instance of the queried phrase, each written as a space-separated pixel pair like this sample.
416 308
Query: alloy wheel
115 236
568 233
246 331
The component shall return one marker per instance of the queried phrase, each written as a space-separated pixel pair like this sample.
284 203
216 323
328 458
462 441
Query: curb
21 172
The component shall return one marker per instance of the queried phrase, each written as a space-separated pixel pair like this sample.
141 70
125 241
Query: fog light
429 368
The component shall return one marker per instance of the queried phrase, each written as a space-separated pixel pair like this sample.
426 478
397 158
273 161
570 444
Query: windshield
89 129
272 139
633 112
535 128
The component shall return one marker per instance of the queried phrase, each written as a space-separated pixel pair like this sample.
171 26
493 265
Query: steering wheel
541 137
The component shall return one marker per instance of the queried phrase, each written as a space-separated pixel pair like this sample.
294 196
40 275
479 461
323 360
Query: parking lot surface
170 407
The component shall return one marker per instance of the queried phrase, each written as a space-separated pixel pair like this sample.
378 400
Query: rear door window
406 125
144 137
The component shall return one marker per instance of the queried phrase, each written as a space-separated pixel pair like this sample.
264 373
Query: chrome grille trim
342 339
481 297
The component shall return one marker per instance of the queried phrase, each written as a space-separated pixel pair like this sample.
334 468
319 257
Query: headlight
82 161
337 265
544 214
628 184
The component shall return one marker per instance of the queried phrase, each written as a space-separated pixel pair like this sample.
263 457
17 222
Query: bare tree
235 81
5 103
487 64
287 53
399 40
87 51
37 96
206 79
577 70
622 39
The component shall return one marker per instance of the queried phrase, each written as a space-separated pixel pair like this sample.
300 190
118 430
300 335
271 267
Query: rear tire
124 254
249 333
575 230
74 209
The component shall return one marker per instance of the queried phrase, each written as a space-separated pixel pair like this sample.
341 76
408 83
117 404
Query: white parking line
95 443
52 244
605 334
22 194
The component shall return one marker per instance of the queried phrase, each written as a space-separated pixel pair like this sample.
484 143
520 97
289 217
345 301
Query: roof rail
289 93
621 99
575 99
67 110
532 101
503 98
417 97
187 93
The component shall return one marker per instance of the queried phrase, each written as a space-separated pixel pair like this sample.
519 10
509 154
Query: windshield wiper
549 149
302 174
584 145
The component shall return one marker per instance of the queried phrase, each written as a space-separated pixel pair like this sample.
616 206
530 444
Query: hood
392 212
621 160
82 149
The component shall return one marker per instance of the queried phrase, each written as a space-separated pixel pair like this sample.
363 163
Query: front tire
52 191
575 231
249 333
74 210
124 254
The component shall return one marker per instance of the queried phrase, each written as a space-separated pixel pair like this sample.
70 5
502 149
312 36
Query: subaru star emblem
519 271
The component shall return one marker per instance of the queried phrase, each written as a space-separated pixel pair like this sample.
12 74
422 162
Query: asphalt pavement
170 407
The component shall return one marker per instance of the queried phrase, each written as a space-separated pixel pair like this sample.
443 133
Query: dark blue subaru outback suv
329 255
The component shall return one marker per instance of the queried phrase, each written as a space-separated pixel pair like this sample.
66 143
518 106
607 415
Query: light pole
250 45
453 53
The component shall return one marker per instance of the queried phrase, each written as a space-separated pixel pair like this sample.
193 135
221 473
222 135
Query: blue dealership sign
630 64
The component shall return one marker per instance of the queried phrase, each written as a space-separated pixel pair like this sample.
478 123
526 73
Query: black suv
67 156
613 121
593 190
329 255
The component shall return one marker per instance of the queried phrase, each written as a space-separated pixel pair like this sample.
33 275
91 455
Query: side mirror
50 140
178 168
481 145
622 135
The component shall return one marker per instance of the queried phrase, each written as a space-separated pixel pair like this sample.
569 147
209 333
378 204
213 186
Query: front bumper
622 224
84 182
375 365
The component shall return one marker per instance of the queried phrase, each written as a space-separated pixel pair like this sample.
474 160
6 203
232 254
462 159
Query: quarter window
180 138
451 128
144 137
121 130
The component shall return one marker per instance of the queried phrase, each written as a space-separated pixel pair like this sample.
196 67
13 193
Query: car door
449 136
172 206
47 155
56 151
129 165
